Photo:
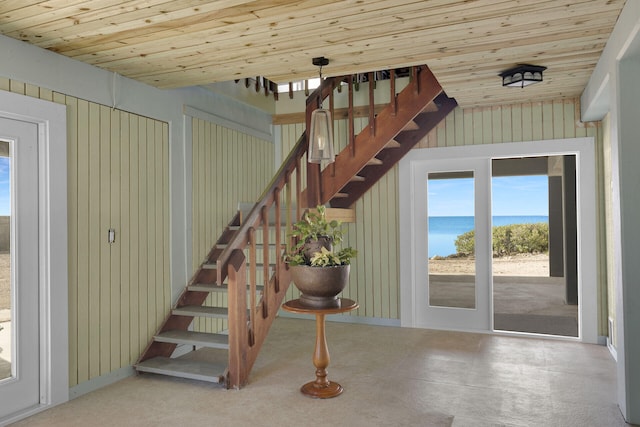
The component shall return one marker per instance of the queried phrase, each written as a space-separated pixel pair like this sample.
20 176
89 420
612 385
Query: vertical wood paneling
124 239
228 167
72 224
108 322
507 126
150 277
374 280
105 249
134 249
93 178
359 263
394 244
383 254
143 256
166 241
114 250
162 242
82 304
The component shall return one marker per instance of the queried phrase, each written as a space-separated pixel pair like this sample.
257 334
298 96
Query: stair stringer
410 102
404 141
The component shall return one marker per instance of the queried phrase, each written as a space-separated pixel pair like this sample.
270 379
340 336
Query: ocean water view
443 230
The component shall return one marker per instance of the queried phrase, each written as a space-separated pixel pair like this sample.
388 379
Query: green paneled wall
118 177
228 167
375 276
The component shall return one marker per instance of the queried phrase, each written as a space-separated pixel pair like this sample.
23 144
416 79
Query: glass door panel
451 239
534 245
5 262
451 281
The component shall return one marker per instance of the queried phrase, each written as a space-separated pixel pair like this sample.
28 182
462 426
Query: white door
19 359
469 304
451 191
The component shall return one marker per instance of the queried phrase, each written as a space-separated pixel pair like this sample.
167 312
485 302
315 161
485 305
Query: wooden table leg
321 388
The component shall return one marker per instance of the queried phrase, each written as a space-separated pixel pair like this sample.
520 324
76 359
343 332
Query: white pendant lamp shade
321 137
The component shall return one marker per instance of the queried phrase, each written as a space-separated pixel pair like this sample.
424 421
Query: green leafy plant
327 258
510 239
312 228
314 225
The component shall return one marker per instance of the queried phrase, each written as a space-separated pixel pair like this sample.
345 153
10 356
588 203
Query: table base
312 389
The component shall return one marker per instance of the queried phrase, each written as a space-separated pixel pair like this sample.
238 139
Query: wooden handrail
248 326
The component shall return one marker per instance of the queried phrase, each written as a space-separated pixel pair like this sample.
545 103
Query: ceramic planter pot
320 286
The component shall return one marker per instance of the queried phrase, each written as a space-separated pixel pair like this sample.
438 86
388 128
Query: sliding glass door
500 238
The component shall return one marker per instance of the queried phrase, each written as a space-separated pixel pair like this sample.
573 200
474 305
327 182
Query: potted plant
319 272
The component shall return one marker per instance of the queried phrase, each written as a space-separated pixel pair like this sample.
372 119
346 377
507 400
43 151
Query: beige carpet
392 377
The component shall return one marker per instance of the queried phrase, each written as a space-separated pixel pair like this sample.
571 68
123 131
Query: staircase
246 263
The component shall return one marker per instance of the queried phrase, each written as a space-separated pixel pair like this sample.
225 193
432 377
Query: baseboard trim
101 381
25 413
612 350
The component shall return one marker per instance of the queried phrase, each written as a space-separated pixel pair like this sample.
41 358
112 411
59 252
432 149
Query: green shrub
510 239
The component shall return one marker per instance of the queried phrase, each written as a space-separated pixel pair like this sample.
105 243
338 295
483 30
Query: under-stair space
193 304
245 268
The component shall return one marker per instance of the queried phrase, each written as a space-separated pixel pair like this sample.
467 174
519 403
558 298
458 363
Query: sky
5 207
512 196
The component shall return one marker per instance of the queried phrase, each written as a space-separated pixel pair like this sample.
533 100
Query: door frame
50 119
582 148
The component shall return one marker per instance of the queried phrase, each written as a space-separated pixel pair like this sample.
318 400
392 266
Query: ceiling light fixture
522 75
321 128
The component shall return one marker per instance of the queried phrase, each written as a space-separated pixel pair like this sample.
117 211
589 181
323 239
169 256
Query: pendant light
321 129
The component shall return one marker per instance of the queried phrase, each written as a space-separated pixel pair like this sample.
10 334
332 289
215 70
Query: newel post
238 333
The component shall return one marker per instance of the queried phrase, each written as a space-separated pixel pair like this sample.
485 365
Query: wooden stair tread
201 311
212 287
374 162
357 178
430 108
392 144
211 266
410 126
195 370
259 246
202 339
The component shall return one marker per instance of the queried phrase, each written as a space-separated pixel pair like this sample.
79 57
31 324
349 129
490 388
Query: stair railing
238 262
314 193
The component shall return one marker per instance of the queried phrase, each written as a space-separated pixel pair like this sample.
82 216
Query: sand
530 265
5 274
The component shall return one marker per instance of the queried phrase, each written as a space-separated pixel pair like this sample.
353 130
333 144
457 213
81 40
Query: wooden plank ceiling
466 43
